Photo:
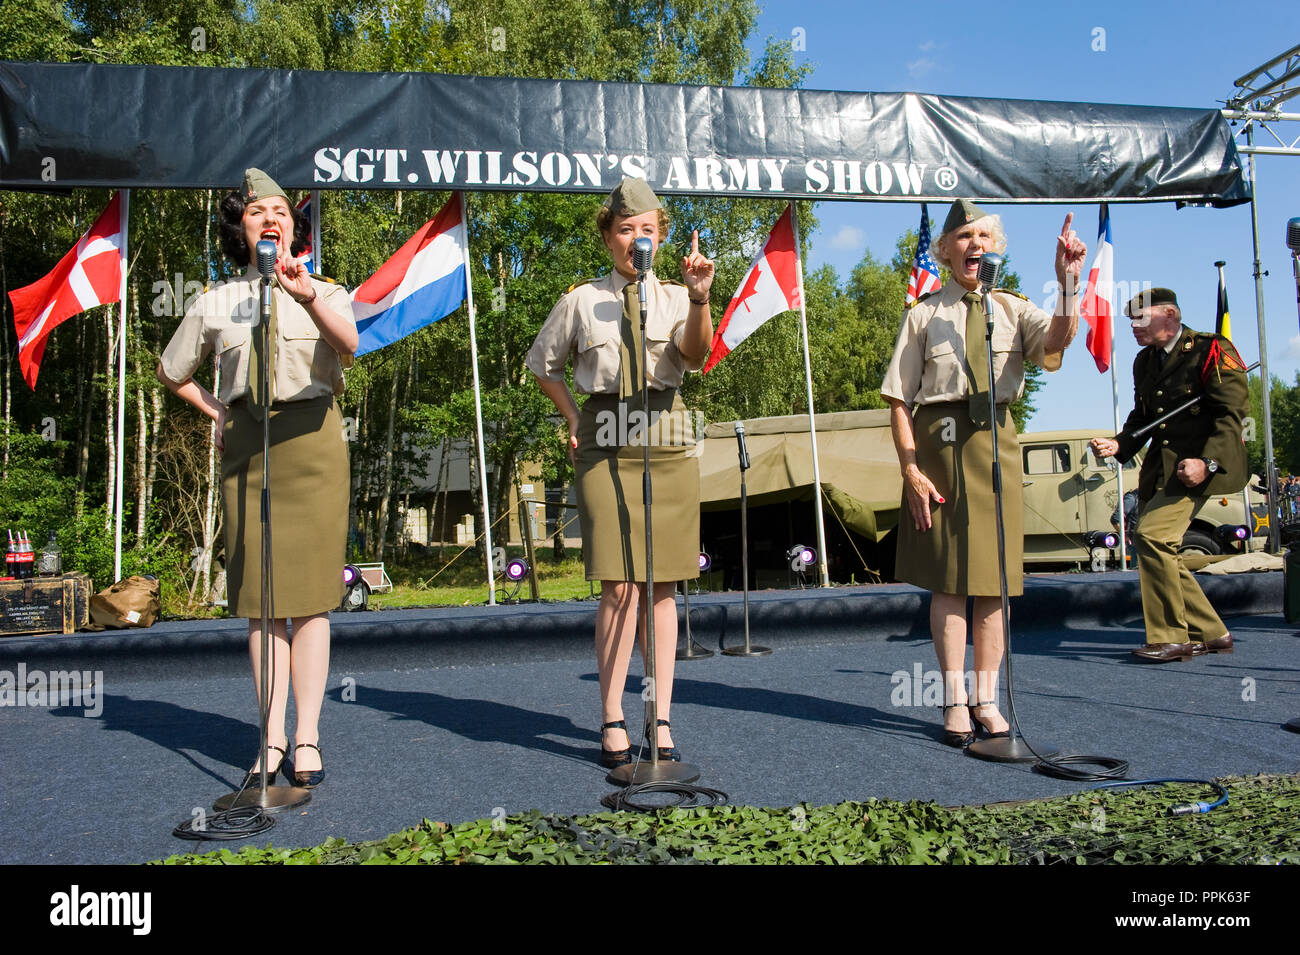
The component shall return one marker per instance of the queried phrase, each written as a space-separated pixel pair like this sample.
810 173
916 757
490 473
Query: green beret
258 185
1149 297
963 211
631 197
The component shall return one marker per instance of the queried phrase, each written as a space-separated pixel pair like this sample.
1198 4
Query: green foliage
1117 826
87 544
34 496
1284 408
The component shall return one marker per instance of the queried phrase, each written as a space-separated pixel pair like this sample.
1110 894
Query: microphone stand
747 650
1010 748
267 797
692 651
654 771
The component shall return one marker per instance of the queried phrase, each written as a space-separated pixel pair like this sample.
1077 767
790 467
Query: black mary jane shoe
306 779
253 780
979 725
667 754
958 739
613 758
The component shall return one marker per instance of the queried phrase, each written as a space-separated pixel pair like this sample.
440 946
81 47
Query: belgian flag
1222 326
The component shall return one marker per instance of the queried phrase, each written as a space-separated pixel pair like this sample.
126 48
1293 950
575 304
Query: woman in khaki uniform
937 388
597 324
314 339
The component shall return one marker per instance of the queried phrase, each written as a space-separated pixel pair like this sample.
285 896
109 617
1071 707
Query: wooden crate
45 604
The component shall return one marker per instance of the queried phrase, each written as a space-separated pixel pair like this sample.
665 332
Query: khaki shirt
222 320
929 363
586 322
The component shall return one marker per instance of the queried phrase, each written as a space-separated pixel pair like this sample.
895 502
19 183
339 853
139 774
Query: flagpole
812 425
1119 468
121 390
315 232
478 405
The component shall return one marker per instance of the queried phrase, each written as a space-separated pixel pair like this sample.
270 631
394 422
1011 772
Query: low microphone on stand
742 450
1293 235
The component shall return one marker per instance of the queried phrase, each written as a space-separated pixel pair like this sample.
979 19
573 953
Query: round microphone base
693 651
751 651
664 771
1008 750
275 799
1292 725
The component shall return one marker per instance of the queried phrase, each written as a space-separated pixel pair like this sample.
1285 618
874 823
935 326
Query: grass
458 579
1260 824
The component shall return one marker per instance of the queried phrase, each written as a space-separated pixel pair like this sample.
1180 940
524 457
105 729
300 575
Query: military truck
1069 497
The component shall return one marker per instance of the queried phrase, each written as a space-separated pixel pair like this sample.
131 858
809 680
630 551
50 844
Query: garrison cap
258 185
962 212
1149 297
631 197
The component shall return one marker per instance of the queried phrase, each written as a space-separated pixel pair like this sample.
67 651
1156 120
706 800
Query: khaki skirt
309 507
611 509
959 553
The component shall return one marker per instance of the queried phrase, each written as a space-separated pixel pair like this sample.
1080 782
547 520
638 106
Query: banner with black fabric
99 125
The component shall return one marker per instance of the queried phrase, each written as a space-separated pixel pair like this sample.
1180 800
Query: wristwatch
1211 465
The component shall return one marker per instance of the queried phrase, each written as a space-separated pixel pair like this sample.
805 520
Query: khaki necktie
261 394
631 379
977 359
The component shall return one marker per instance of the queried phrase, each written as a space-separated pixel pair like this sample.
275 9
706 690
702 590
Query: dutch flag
423 282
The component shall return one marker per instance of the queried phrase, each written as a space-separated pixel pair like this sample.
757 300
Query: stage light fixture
356 592
706 562
801 557
1106 539
1231 533
516 570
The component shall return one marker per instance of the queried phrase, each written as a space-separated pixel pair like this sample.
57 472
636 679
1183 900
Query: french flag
1096 307
770 287
423 282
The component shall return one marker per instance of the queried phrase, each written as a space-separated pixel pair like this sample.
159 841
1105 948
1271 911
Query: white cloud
920 67
1292 352
848 238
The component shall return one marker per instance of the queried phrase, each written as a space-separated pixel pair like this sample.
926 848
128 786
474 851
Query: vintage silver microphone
1010 748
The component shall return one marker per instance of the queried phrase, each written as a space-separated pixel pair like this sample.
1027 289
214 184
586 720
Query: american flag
308 255
925 271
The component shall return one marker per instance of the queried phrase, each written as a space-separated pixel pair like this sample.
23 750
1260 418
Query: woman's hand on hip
919 491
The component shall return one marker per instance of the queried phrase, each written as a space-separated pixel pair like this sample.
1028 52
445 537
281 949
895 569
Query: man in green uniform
1196 454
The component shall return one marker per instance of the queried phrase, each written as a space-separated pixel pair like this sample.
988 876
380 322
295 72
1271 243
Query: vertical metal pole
812 425
121 388
1270 478
478 403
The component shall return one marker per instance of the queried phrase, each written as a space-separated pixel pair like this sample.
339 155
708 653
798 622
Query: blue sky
1184 54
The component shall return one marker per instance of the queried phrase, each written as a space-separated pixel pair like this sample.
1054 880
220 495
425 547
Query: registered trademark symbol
945 177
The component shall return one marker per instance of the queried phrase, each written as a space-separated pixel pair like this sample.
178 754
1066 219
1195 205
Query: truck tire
1199 542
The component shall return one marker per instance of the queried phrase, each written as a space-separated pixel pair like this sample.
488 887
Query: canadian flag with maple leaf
771 286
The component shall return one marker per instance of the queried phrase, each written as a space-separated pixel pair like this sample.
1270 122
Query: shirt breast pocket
234 351
597 366
944 370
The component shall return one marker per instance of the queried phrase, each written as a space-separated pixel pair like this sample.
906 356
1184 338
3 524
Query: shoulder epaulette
1011 291
922 298
577 284
671 282
323 278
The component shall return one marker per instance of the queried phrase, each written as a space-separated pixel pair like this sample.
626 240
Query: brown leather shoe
1222 645
1168 652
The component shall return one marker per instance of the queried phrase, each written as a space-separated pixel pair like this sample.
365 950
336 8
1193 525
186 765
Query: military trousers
1174 607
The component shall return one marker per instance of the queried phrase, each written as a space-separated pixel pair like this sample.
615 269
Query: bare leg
310 661
279 657
989 646
948 630
665 650
615 633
